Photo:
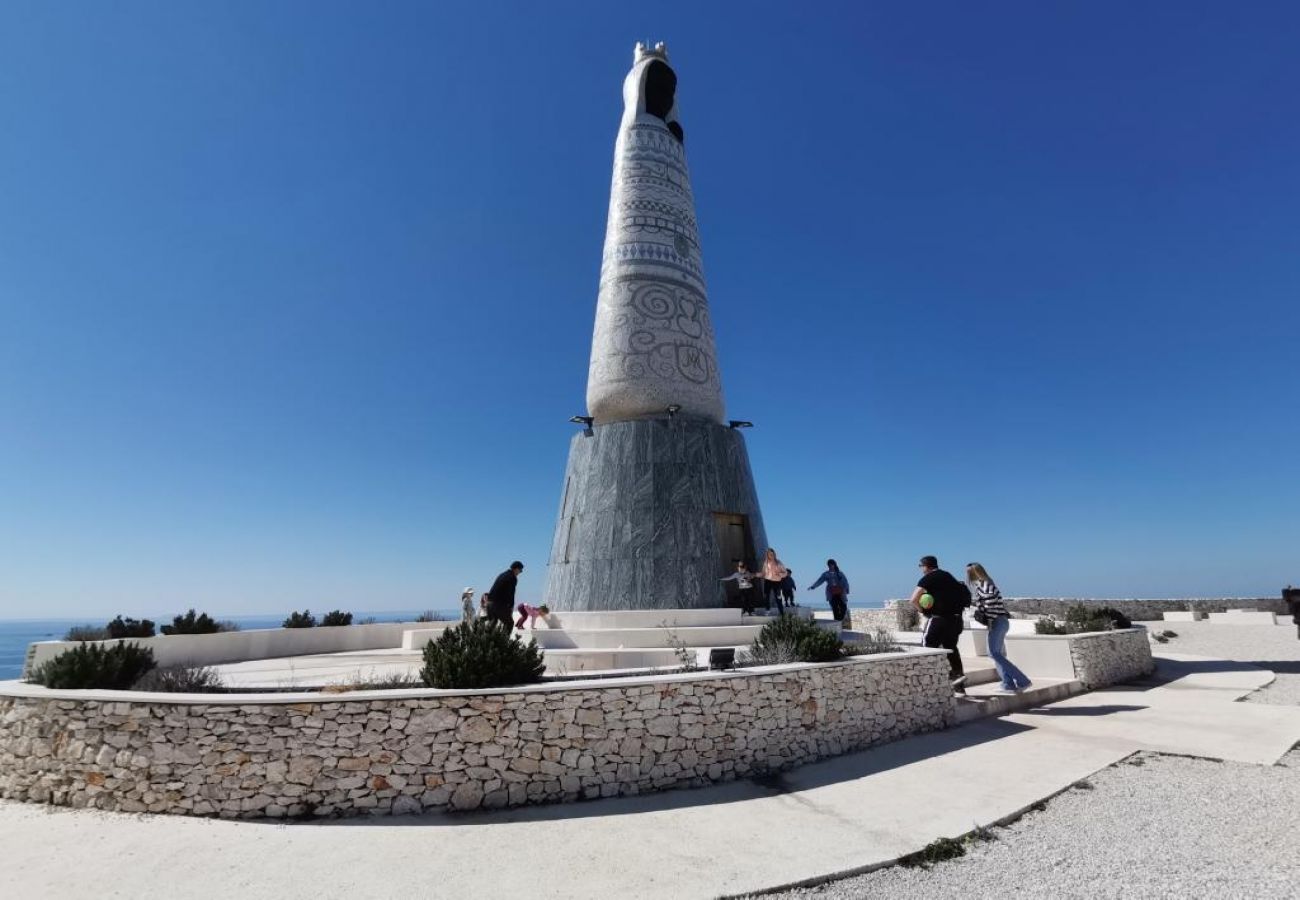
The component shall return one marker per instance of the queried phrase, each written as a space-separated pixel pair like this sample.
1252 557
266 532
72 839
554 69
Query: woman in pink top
774 572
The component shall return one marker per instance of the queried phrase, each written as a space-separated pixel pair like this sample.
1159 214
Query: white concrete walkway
831 818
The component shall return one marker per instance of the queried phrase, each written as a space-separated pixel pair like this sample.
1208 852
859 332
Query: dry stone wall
1143 610
899 616
1111 657
464 751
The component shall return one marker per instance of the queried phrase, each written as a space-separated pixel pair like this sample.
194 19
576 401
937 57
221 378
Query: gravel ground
1270 646
1151 826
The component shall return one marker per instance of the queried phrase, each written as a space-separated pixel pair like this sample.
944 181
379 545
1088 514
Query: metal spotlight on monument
658 499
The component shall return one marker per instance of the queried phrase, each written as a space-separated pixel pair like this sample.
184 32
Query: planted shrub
190 623
302 619
227 625
797 636
335 617
86 633
1049 626
130 628
180 680
116 667
1081 619
879 641
430 615
480 654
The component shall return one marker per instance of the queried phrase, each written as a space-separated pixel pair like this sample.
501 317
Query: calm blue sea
16 634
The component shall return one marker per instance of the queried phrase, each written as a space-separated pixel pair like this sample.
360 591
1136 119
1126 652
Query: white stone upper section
653 344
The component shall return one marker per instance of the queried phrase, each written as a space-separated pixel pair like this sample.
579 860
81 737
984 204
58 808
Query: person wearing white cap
467 611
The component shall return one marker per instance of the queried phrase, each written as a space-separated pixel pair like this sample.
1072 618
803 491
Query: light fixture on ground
672 409
582 420
739 423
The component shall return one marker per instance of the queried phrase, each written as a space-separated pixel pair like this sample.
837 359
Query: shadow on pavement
1103 710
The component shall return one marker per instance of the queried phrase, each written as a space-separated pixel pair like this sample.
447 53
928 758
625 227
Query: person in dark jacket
837 589
501 598
1292 597
788 588
942 614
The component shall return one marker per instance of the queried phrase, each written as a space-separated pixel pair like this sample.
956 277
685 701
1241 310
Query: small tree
190 623
481 654
302 619
86 633
130 628
335 617
89 666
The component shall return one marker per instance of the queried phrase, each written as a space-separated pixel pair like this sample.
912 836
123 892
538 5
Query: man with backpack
941 598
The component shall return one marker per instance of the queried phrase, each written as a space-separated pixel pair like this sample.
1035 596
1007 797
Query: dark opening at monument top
658 500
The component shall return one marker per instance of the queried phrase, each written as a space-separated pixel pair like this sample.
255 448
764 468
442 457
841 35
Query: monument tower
658 500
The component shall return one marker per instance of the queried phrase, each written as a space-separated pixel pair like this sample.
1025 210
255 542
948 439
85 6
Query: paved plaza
817 822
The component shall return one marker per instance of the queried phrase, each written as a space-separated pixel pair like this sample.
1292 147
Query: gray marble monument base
652 516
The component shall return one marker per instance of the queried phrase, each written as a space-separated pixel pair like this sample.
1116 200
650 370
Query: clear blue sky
296 299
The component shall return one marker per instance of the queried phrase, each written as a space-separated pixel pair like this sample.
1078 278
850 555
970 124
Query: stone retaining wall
412 751
901 616
1142 610
1111 657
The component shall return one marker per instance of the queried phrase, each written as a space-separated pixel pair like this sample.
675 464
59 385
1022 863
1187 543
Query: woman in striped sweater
992 612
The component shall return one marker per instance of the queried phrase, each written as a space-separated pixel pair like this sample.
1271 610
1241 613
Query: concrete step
562 662
642 638
653 618
982 701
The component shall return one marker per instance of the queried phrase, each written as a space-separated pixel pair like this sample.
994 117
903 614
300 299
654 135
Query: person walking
788 588
774 572
501 597
837 589
745 582
993 614
942 612
467 611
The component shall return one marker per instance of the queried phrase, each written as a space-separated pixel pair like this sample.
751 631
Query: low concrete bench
1243 617
1192 615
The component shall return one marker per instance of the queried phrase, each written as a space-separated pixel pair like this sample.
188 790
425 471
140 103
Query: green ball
926 601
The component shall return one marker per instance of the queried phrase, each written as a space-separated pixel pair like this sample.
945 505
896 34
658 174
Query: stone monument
658 500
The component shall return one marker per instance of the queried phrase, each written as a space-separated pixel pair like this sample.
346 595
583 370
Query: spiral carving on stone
653 344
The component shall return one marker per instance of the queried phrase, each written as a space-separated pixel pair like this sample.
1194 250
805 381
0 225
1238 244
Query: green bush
130 628
1081 619
227 625
334 618
879 641
180 680
480 654
86 633
1049 626
116 667
302 619
794 636
192 624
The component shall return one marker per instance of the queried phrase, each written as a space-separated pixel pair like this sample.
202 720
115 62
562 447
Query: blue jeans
1012 677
